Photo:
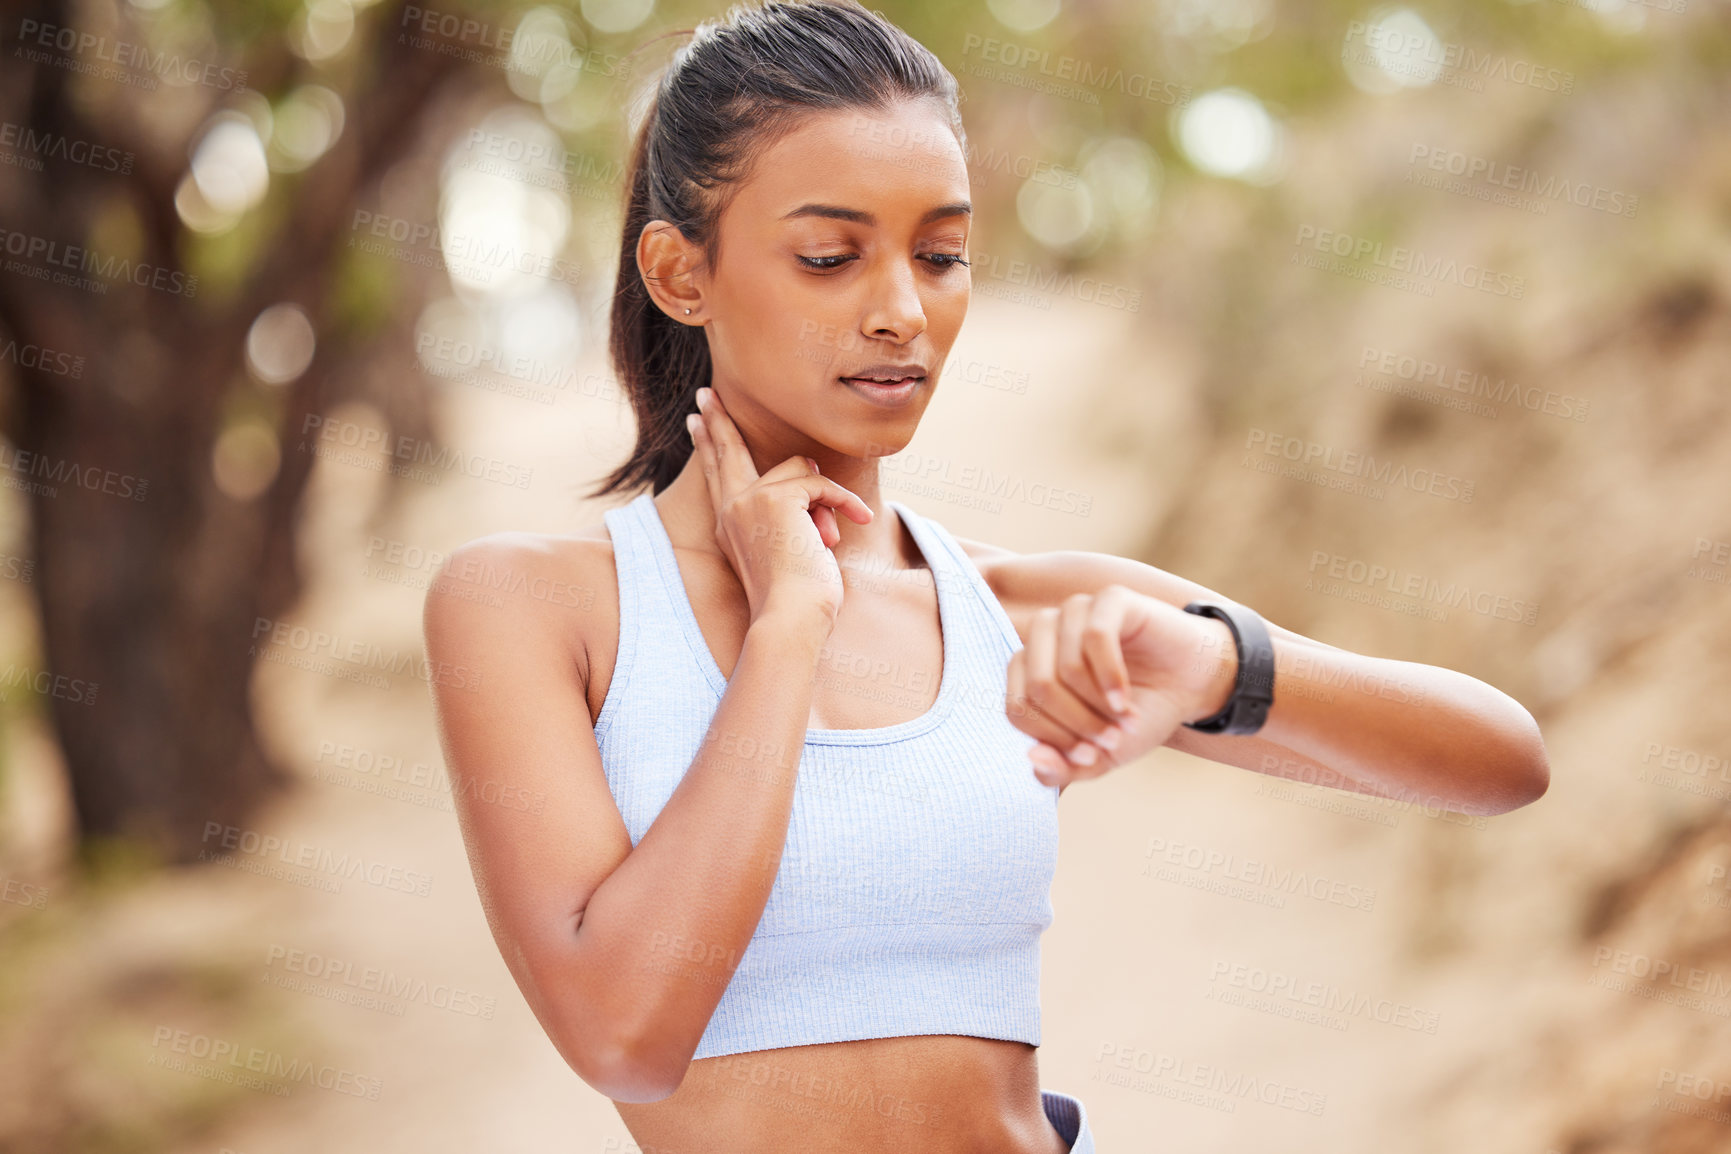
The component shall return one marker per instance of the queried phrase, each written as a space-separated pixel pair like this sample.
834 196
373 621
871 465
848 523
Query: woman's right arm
621 953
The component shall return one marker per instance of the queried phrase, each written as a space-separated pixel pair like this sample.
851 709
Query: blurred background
1409 326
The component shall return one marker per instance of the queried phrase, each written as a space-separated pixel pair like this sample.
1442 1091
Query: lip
886 395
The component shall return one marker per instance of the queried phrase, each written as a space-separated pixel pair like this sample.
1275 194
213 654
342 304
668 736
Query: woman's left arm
1372 725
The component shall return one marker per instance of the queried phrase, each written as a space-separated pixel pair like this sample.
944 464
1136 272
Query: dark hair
743 80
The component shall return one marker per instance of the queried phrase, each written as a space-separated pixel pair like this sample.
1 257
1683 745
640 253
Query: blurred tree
151 576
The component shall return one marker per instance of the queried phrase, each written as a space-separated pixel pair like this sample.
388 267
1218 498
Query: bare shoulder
516 586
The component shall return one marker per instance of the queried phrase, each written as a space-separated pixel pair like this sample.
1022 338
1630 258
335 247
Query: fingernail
1084 754
690 422
1115 698
1109 737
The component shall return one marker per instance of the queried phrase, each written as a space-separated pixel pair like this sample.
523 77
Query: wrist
794 633
1246 704
1216 667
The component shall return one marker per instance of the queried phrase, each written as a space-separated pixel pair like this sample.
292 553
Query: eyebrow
836 212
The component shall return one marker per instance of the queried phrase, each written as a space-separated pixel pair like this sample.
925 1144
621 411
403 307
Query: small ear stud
687 312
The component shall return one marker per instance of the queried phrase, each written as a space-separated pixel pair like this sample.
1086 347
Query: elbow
626 1070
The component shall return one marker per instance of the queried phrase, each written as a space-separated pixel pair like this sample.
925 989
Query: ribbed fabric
916 878
1069 1118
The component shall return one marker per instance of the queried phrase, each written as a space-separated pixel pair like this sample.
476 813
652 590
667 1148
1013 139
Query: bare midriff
934 1093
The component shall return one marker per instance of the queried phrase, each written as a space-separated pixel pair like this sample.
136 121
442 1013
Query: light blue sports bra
916 878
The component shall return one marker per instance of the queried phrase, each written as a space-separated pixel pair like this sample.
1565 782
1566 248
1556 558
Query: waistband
1070 1119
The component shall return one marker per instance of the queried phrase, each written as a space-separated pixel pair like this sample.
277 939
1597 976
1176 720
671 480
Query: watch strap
1253 689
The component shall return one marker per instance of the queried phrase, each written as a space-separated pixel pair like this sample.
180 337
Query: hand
1160 662
776 530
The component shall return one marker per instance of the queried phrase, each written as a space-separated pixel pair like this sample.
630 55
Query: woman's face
838 259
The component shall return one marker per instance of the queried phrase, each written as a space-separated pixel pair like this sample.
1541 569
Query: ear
672 271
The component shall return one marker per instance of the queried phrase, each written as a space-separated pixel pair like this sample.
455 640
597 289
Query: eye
825 261
943 261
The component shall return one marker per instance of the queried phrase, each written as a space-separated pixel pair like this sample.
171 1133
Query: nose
893 310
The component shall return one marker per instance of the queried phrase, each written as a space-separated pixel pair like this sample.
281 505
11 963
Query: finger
705 450
822 516
1050 768
1103 644
1057 707
1047 685
1024 713
825 518
820 490
732 458
826 526
1077 626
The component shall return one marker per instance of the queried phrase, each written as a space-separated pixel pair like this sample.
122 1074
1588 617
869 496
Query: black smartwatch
1253 690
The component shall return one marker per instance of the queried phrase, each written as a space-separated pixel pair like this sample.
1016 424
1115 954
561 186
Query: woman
800 770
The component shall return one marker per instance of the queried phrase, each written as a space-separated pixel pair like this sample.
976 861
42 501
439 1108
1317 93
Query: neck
873 548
